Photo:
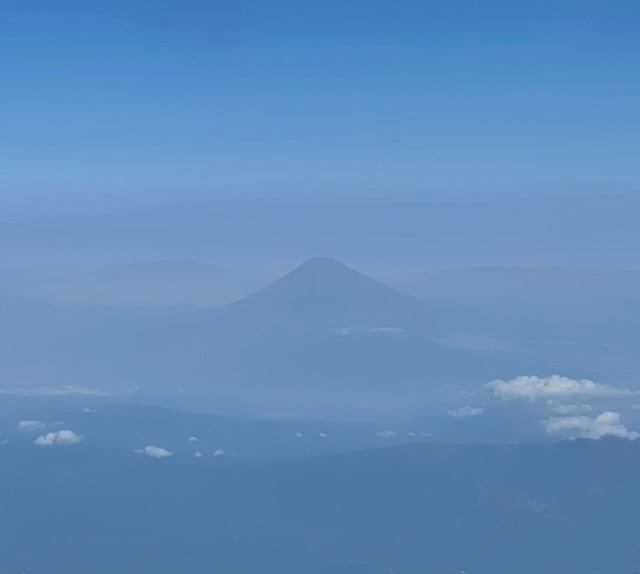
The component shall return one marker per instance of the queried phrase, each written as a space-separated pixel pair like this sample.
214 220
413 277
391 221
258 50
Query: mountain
566 507
322 326
323 293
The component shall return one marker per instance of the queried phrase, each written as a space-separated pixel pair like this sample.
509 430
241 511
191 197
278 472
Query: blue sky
135 102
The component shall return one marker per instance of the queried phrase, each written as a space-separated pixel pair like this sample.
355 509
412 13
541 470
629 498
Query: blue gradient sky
114 103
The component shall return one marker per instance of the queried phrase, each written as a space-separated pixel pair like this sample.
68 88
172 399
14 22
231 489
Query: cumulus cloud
607 423
323 435
155 451
387 434
58 438
419 433
556 387
193 439
89 411
30 425
465 411
219 452
197 454
52 391
299 435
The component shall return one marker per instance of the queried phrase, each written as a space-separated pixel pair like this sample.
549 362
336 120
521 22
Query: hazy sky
133 102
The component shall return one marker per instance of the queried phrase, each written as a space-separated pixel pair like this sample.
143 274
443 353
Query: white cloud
219 452
387 434
4 441
419 433
465 411
299 435
570 409
89 411
532 388
61 437
197 454
52 391
323 435
193 439
607 423
155 451
30 425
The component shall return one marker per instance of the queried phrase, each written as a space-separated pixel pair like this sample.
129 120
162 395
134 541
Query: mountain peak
324 276
322 265
322 261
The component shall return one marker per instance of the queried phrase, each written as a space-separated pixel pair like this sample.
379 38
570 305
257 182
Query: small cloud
636 407
197 454
155 452
387 434
607 423
63 390
89 411
532 388
4 441
464 412
193 439
420 434
344 331
389 330
219 452
323 435
58 438
298 435
570 409
30 425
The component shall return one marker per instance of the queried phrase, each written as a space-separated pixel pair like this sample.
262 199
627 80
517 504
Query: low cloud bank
555 387
63 390
608 423
30 425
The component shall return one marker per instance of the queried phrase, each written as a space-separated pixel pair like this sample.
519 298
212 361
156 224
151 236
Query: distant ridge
155 267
